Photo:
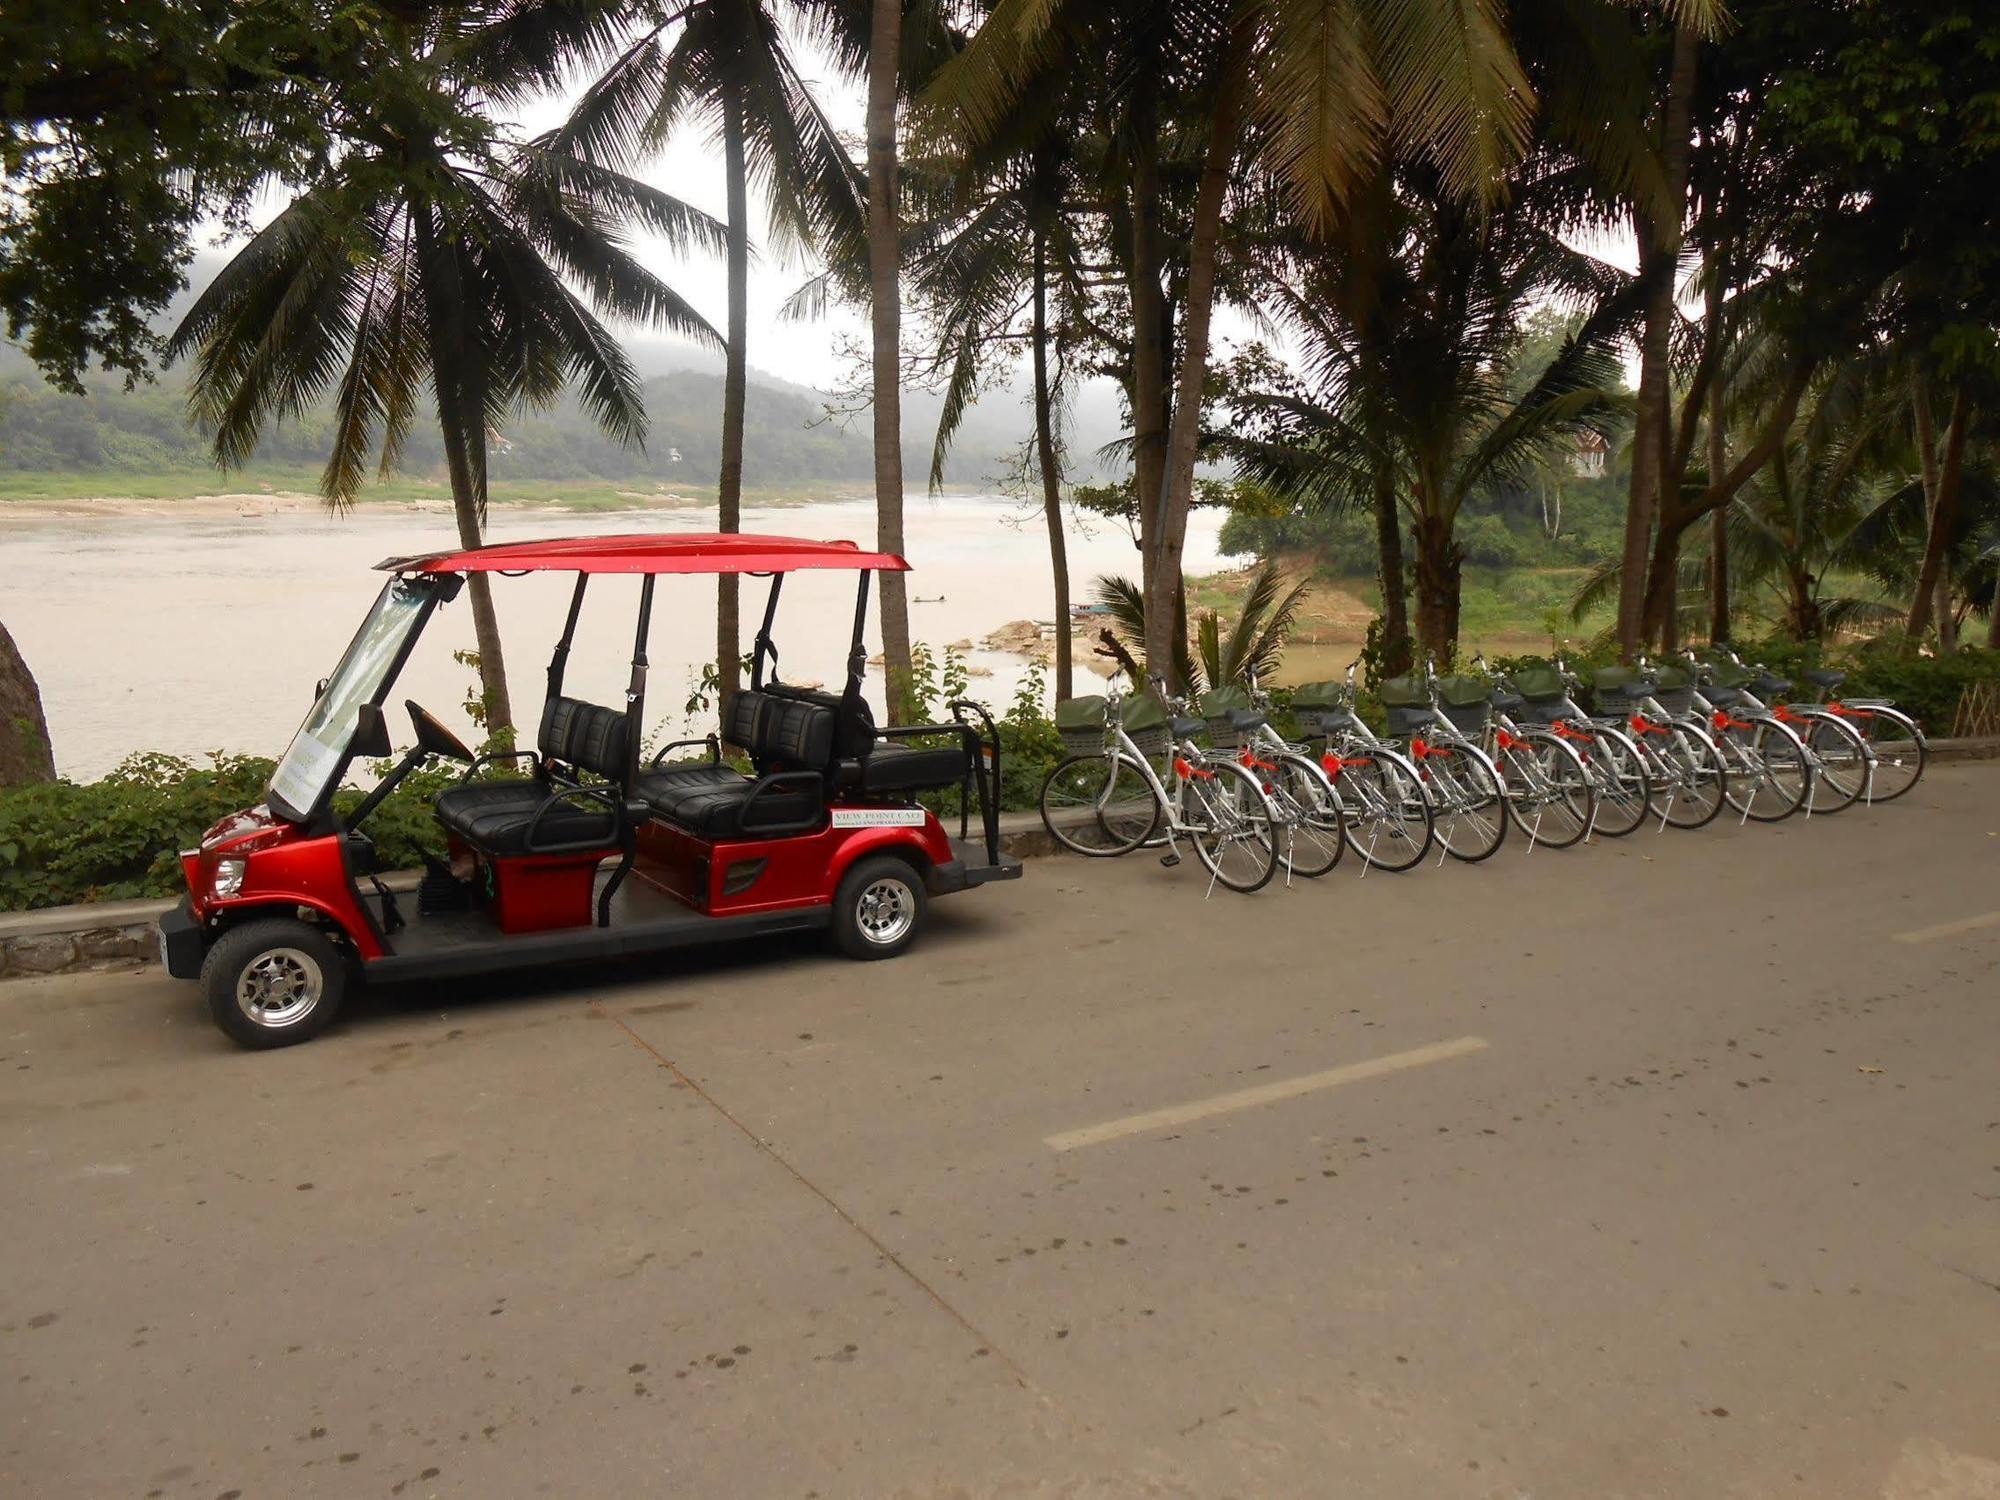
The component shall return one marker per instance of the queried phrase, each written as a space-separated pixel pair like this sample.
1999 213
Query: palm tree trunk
1396 658
1045 452
729 484
886 310
1659 249
1718 534
1437 587
461 424
25 752
1149 333
1164 599
1944 516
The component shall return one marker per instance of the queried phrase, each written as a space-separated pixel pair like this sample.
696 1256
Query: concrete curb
104 934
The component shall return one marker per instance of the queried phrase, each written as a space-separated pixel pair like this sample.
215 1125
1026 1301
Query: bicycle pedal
1169 860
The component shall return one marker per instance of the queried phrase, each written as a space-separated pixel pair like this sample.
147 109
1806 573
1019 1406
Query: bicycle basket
1539 684
1466 701
1404 692
1216 705
1144 719
1674 690
1080 723
1617 690
1314 697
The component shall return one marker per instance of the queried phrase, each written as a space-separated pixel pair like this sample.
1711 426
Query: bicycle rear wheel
1099 805
1618 774
1843 764
1769 771
1310 834
1230 825
1548 789
1901 752
1466 802
1388 816
1690 781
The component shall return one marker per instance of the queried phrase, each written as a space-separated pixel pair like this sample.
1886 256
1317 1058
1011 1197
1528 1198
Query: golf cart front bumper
183 944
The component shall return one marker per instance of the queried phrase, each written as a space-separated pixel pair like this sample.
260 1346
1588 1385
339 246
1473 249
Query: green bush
120 838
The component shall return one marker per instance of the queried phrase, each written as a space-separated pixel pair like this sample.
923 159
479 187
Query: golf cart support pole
560 659
762 647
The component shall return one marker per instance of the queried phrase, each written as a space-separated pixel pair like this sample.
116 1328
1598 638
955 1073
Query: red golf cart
586 850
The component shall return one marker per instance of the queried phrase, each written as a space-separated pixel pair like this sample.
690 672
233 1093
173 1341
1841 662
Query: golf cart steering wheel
433 736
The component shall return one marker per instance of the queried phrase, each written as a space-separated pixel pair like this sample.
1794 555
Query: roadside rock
50 954
106 943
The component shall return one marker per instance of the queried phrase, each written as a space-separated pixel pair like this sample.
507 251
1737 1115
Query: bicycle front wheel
1311 827
1231 827
1466 802
1099 805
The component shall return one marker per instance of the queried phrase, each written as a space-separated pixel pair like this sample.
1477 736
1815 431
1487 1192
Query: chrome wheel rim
886 911
280 987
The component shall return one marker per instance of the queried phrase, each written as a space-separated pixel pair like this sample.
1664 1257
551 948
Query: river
198 628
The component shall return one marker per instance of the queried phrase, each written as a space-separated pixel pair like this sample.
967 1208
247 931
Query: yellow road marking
1948 929
1263 1093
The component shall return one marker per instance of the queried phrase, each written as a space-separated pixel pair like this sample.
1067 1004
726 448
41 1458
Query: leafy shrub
120 838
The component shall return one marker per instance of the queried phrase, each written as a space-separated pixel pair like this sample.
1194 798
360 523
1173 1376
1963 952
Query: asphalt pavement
1667 1167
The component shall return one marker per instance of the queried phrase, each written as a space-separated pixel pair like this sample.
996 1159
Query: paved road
1681 1179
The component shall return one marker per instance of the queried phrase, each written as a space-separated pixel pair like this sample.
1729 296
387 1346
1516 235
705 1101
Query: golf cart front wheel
879 908
274 982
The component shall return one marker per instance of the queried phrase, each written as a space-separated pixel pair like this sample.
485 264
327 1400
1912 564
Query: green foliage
119 838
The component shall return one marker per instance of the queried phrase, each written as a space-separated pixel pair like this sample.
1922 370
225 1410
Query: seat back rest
587 736
853 726
746 714
793 735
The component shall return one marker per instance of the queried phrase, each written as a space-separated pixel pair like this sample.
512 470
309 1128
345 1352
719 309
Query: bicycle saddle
1826 678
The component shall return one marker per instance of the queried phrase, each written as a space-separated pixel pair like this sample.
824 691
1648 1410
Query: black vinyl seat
864 757
890 767
496 817
517 817
791 744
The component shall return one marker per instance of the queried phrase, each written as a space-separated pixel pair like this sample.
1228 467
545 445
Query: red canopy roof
711 552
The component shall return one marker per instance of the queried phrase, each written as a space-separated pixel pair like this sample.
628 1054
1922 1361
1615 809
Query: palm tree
1408 336
974 286
729 68
1312 94
433 250
1253 641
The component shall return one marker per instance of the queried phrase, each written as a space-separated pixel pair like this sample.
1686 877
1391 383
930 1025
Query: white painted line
1264 1093
1948 929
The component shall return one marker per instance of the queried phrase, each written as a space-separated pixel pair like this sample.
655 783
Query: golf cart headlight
229 876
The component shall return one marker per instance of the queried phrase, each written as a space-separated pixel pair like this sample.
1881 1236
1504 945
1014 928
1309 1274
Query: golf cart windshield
318 754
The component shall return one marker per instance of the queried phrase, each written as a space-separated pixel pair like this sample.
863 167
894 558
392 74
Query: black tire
879 909
274 982
1125 810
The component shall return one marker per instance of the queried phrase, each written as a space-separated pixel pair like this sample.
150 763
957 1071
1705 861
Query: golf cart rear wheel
274 982
879 908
